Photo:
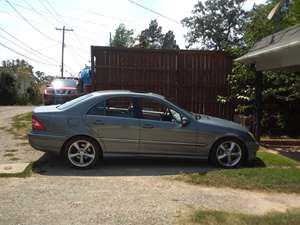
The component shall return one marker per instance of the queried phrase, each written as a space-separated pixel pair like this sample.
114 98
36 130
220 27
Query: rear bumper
46 143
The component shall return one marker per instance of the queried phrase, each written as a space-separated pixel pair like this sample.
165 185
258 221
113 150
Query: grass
26 173
21 125
14 159
275 173
8 155
211 217
275 160
11 150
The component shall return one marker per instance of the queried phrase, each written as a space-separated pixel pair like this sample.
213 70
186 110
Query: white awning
279 51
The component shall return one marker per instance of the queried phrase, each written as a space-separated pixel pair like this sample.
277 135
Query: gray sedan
145 124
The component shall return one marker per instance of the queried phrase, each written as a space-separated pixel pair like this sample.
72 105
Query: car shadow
53 165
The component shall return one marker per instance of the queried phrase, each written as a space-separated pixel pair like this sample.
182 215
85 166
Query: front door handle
148 126
99 122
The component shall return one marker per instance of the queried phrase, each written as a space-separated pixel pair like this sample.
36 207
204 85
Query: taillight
36 124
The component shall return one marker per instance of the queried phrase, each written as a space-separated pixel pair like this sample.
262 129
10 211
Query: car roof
127 93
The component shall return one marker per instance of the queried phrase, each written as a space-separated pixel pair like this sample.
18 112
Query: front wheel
82 152
228 153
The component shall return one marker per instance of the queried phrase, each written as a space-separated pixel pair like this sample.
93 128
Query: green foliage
152 37
8 88
11 82
42 79
223 25
275 160
217 24
34 94
272 172
211 217
17 66
21 125
169 41
123 38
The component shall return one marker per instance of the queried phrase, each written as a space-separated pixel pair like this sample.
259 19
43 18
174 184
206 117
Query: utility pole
62 48
110 39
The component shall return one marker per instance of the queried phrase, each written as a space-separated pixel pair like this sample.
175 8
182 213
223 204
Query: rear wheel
82 152
228 153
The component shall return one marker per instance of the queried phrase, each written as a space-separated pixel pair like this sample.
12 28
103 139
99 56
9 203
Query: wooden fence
193 79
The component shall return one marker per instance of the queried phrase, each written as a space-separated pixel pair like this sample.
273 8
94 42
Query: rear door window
116 106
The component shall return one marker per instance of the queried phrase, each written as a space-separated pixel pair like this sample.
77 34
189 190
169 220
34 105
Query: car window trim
133 99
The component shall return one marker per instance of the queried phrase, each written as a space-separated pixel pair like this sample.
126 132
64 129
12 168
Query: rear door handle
148 126
99 122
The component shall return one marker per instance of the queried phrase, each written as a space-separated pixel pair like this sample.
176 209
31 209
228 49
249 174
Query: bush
34 94
8 88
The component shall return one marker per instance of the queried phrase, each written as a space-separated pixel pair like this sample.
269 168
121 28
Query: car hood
220 122
46 109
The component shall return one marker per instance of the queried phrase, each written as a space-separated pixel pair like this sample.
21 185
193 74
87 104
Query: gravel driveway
118 191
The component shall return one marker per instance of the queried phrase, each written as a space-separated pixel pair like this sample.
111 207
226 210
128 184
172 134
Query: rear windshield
73 102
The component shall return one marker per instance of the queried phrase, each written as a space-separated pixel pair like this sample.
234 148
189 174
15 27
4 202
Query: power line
58 17
49 23
150 10
28 46
27 57
45 7
39 13
20 46
96 13
47 20
73 56
25 19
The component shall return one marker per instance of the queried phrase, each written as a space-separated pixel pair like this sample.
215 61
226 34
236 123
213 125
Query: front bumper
58 99
46 142
252 148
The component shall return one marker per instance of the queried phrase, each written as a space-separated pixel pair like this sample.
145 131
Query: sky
28 27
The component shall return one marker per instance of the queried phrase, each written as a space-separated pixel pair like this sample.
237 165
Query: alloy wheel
229 154
81 153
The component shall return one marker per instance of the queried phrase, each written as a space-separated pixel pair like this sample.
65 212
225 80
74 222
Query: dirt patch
18 149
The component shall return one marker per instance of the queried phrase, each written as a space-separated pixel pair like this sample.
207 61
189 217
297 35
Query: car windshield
59 83
73 102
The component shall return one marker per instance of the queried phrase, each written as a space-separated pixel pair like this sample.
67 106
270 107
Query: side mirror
184 121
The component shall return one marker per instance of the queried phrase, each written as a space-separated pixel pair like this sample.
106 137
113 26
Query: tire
82 152
228 153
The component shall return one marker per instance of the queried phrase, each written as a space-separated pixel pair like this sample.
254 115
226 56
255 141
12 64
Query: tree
17 66
41 78
8 88
9 83
217 24
169 41
151 37
123 38
281 93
